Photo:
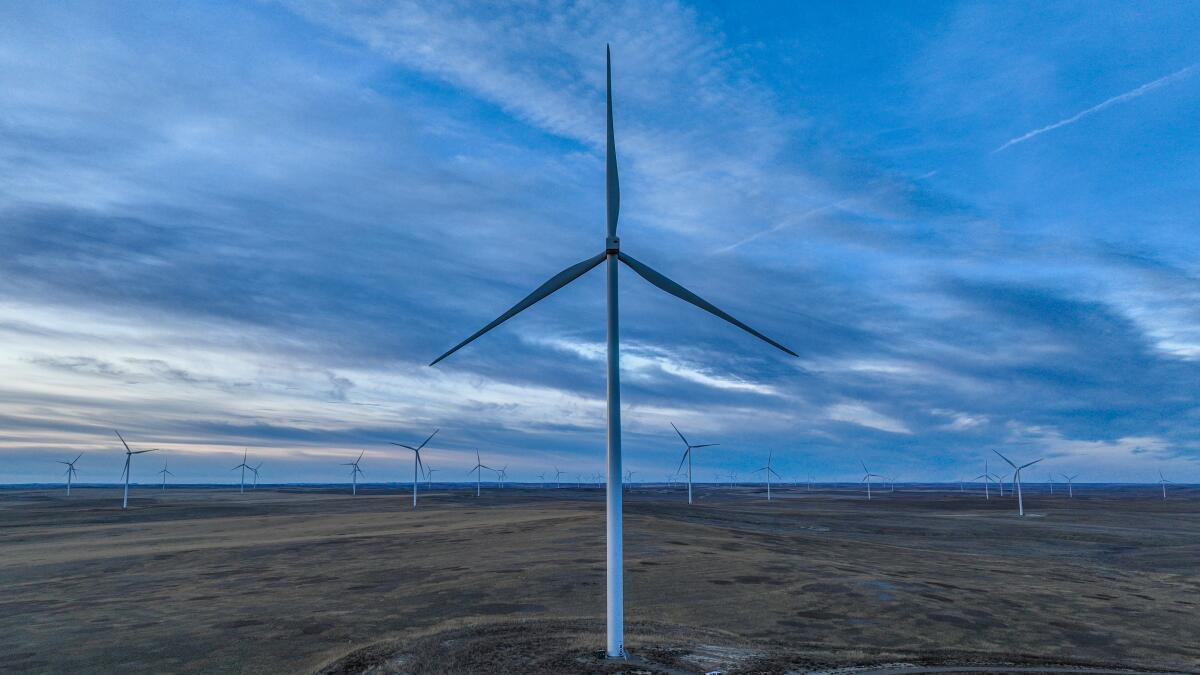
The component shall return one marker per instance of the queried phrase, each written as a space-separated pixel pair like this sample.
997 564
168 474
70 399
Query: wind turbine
1070 484
501 474
71 471
867 476
557 478
1161 481
769 471
1017 479
165 473
687 455
542 478
417 461
429 477
611 256
354 471
987 479
629 479
479 467
128 456
732 477
1051 477
255 469
243 466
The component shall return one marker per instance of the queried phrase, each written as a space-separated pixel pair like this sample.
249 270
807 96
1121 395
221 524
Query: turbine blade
1005 459
864 466
427 439
556 282
706 445
122 439
684 294
138 452
1032 463
77 458
775 472
685 442
612 199
681 460
409 447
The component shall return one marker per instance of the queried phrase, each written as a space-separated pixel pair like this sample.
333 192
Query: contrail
1132 94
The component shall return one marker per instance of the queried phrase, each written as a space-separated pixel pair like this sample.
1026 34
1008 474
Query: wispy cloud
1121 98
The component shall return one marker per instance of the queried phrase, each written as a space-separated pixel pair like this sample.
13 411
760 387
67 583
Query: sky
251 226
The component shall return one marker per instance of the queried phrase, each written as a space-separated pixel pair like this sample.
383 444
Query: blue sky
228 226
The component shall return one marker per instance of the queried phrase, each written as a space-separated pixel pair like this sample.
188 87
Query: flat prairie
287 580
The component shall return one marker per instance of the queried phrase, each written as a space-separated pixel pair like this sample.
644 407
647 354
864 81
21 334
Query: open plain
305 580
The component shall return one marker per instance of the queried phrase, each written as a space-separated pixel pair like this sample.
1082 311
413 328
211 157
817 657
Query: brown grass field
309 580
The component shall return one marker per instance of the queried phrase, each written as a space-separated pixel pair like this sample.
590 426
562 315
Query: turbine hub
612 245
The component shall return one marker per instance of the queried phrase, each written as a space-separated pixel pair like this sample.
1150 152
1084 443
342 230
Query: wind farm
952 234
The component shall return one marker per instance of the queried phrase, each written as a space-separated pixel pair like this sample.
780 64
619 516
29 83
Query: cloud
857 413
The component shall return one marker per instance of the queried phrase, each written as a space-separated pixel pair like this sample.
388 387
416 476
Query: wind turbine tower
770 471
165 472
128 457
243 466
1161 481
1017 479
417 461
867 476
354 472
687 455
612 256
71 471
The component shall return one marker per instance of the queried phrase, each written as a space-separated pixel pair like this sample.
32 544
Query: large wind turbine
867 476
687 455
479 467
769 471
417 461
1161 481
354 471
1017 479
611 256
71 471
165 472
128 456
243 466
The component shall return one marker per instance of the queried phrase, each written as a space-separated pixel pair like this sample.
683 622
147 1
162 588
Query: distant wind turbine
478 470
165 473
987 479
1163 482
1051 477
255 469
1070 484
612 256
354 472
128 456
429 477
1017 479
417 461
867 476
542 478
769 471
71 471
557 477
687 455
243 466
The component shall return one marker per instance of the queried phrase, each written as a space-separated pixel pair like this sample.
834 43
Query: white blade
612 200
684 294
1005 459
556 282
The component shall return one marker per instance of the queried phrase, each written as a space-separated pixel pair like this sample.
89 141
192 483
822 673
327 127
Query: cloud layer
227 226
